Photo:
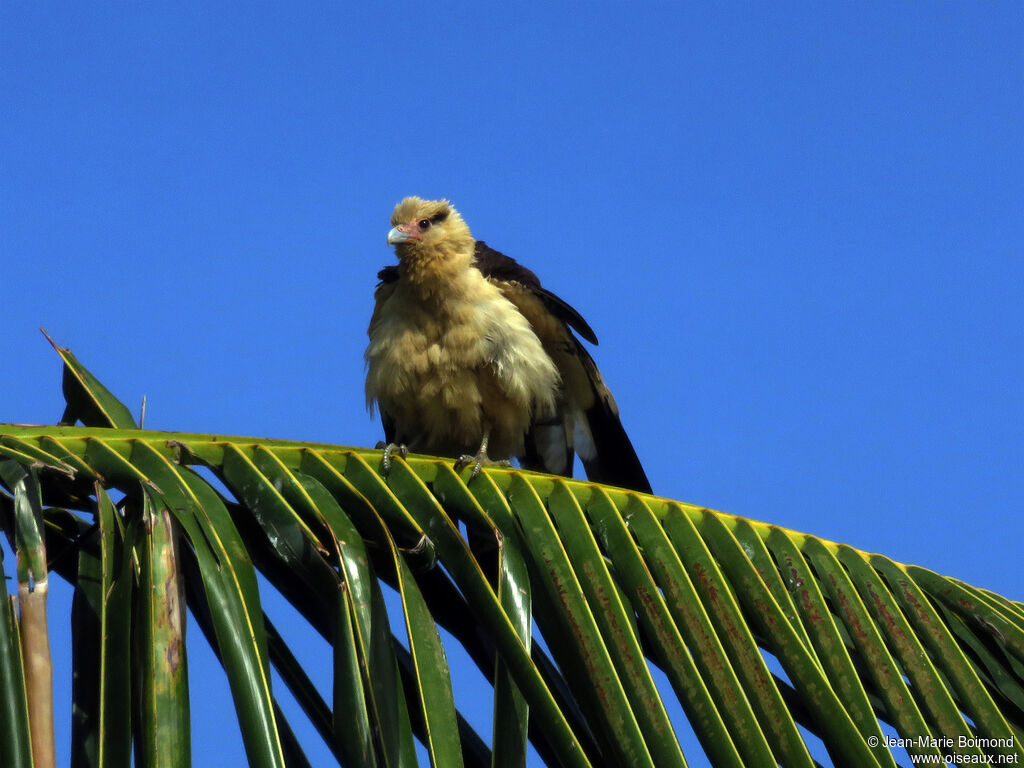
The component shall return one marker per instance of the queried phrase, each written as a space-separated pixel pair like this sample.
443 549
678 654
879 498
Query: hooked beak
401 233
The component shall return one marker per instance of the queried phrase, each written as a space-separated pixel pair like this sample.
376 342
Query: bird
470 357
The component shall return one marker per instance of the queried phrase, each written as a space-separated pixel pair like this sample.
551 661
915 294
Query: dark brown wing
499 267
587 421
388 275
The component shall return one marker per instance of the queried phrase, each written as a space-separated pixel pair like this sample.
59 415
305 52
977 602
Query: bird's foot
481 459
389 449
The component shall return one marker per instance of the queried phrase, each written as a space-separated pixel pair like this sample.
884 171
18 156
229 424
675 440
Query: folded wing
587 418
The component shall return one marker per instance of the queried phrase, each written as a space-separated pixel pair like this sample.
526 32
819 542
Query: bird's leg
389 448
481 459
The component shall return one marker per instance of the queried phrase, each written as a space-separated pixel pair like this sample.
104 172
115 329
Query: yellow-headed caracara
468 354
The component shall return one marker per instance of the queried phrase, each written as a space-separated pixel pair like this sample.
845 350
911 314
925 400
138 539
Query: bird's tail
594 432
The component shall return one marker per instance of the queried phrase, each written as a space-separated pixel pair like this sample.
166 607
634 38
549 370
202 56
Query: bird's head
420 225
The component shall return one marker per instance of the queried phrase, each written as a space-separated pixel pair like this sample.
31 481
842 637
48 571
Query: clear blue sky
796 228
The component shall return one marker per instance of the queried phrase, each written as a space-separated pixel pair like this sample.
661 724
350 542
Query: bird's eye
423 224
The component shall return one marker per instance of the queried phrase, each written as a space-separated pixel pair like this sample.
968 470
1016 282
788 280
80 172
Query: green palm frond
764 635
